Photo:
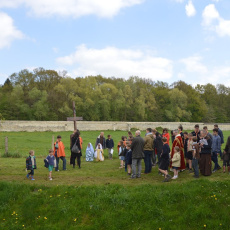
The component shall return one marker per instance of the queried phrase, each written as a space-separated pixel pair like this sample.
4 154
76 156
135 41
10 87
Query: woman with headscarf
99 153
89 154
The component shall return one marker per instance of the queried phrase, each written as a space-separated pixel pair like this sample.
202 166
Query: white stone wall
56 126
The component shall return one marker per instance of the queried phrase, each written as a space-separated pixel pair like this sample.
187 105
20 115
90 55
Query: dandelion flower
51 196
220 224
75 220
214 195
45 218
23 225
159 228
215 198
205 226
4 219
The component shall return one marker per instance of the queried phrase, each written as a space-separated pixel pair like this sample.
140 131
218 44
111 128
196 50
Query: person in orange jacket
59 152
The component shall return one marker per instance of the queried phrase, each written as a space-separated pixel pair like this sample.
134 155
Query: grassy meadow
100 195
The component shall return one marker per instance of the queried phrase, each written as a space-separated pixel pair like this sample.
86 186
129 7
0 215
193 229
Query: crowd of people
193 151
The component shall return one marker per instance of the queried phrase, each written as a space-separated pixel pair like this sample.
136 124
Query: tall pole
6 145
74 115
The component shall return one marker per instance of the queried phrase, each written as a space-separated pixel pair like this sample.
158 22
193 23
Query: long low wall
57 126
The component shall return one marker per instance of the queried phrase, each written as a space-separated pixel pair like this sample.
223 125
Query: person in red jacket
59 152
166 134
178 142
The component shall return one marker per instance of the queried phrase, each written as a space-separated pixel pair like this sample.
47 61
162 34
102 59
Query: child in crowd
186 149
124 139
196 157
163 167
166 134
99 153
121 154
190 151
128 158
59 152
130 139
51 161
110 146
176 162
31 165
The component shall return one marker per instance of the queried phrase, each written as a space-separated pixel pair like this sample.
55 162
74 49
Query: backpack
46 163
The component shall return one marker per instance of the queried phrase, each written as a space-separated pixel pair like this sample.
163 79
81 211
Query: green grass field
100 195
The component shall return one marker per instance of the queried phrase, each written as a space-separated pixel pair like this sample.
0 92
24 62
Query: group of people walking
193 151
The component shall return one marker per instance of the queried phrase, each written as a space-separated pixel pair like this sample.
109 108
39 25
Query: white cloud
198 73
194 64
214 22
8 32
210 14
116 62
73 8
190 9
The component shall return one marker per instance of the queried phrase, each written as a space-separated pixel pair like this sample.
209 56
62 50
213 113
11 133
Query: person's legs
196 168
163 172
64 162
175 173
129 169
149 161
215 160
32 174
79 161
158 158
134 168
224 166
57 163
139 168
153 159
146 162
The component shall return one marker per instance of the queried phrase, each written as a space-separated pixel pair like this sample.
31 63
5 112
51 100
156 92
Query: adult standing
158 145
178 142
75 138
196 132
101 140
216 143
205 154
205 128
180 129
220 133
148 150
137 147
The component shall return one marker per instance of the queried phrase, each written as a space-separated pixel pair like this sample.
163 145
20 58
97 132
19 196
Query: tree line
47 95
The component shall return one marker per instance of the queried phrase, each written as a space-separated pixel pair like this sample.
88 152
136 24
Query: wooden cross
74 118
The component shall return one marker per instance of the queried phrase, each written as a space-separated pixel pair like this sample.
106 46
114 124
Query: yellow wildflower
205 226
215 198
75 220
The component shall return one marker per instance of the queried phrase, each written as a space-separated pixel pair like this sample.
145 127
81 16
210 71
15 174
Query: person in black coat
158 145
75 139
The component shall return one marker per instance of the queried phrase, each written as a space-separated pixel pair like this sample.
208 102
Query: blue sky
166 40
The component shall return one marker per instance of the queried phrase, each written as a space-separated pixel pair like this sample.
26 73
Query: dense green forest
47 95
